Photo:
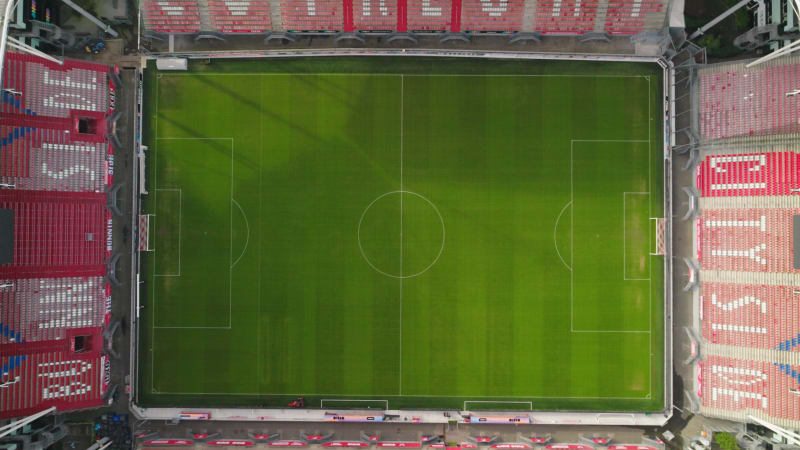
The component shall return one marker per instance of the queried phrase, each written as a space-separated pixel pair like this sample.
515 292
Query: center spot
401 234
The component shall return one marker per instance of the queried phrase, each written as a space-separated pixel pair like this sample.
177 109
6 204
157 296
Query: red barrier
345 444
631 447
568 447
287 444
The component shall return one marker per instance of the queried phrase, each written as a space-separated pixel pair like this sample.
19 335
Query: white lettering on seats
430 11
637 8
66 173
751 253
238 7
71 388
77 148
715 392
366 9
738 303
717 166
556 8
58 374
171 10
67 82
723 372
66 306
83 103
488 6
738 328
761 224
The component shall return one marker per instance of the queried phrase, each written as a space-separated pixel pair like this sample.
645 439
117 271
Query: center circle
401 234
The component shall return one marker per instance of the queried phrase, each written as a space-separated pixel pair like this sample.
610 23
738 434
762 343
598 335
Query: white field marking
555 241
195 139
400 371
230 261
364 255
431 75
650 235
180 225
247 239
612 331
331 74
347 400
572 273
624 238
155 203
314 394
230 269
260 196
530 404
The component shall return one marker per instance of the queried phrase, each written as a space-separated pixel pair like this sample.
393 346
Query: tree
726 441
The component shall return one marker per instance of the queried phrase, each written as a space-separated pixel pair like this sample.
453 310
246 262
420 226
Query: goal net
661 245
144 233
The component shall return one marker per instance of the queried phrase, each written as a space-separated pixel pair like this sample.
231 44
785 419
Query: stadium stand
748 174
312 15
240 16
375 15
566 17
736 101
558 17
172 16
47 159
745 385
759 316
428 15
39 378
491 15
747 179
43 309
56 163
33 86
630 16
750 240
56 233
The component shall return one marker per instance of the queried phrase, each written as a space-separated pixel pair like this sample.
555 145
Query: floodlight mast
17 424
4 35
791 438
6 40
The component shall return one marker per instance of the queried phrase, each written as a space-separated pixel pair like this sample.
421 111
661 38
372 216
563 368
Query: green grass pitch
424 232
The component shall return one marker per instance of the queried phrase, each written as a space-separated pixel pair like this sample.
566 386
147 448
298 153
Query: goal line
349 400
517 404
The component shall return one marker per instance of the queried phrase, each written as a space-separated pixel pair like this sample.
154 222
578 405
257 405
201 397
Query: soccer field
410 233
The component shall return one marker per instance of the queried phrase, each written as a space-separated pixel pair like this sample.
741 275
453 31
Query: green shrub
726 441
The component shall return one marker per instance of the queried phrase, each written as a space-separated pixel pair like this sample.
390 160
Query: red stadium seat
240 16
172 16
745 385
744 315
750 240
749 174
491 15
565 17
750 102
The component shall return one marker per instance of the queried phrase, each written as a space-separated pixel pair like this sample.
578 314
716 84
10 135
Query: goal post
144 233
660 224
